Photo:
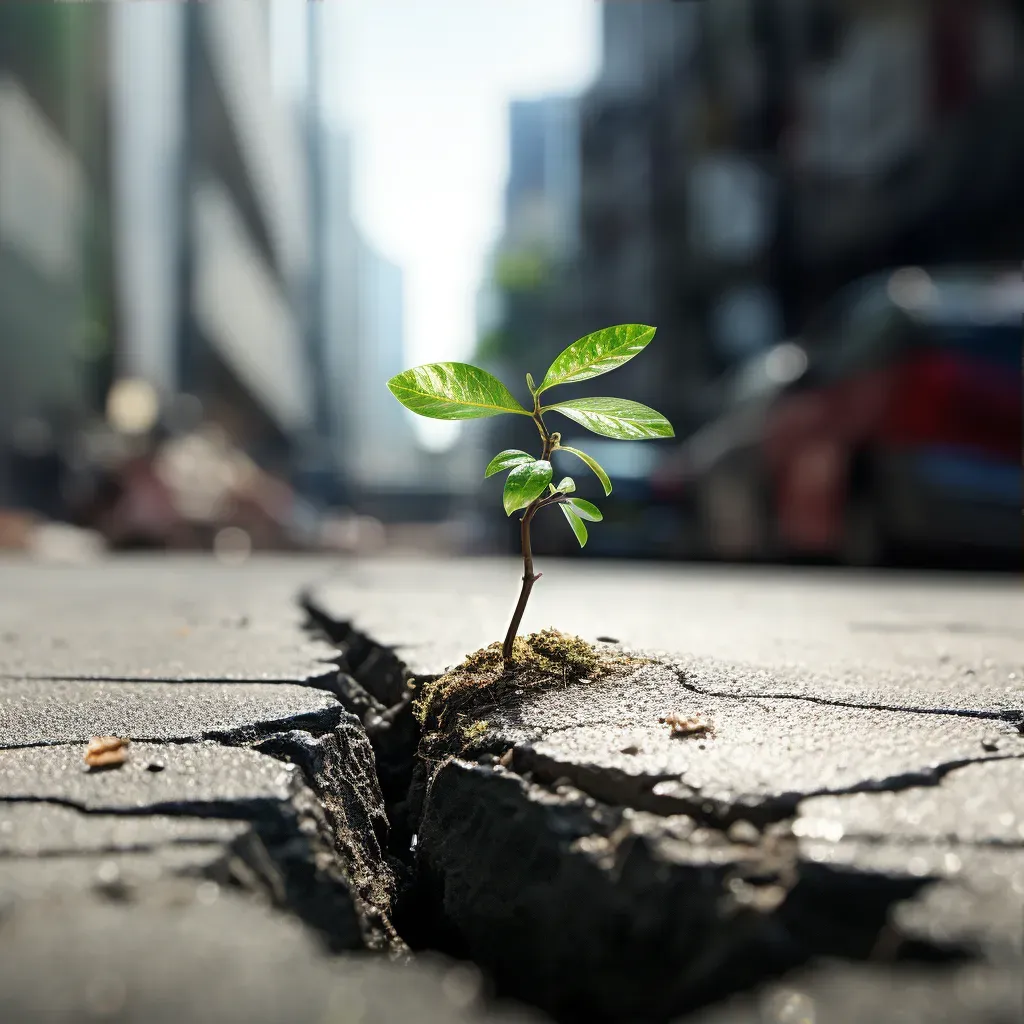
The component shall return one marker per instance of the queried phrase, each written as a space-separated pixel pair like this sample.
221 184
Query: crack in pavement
611 785
1012 717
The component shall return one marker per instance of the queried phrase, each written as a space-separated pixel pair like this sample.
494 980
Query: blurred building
225 171
54 273
364 331
742 160
156 223
524 305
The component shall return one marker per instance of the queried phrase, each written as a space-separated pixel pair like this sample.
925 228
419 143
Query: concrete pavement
859 800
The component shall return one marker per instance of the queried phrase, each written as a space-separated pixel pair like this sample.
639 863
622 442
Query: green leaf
577 524
507 460
525 483
530 384
598 353
615 417
585 509
595 466
566 485
453 391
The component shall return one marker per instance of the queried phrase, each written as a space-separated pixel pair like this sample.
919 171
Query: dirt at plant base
452 704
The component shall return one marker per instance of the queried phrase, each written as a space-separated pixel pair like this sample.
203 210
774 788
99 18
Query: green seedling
459 391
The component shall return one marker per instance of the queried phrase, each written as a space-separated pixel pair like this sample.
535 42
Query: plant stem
529 577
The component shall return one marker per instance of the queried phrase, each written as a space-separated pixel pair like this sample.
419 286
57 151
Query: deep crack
842 912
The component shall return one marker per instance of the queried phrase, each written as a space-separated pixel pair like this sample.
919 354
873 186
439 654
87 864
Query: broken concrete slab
168 872
34 829
980 804
929 642
323 860
973 899
202 779
34 711
967 831
675 852
162 960
762 756
590 911
160 618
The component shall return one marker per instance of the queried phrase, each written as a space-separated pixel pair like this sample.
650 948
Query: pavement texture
841 840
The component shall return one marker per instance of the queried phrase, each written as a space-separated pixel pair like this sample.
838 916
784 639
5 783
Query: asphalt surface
874 716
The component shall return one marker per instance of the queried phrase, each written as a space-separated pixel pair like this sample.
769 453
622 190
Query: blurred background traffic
224 226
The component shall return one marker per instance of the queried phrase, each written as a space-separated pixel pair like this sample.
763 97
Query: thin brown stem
529 576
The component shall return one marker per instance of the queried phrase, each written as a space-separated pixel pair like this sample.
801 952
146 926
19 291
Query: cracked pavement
848 844
858 804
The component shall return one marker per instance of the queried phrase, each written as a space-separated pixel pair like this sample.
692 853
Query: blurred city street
224 227
756 752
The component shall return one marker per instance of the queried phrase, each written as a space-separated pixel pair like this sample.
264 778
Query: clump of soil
547 658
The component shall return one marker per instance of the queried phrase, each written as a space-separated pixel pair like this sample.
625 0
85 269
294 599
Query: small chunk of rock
688 725
106 752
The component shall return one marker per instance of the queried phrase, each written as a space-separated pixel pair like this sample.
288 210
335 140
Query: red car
901 432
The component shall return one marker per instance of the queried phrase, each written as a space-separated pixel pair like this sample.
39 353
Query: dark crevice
378 688
567 906
497 879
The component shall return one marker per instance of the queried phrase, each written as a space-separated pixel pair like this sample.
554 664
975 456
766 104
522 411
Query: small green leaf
585 509
453 391
530 384
615 417
524 484
598 353
577 524
507 460
595 466
566 485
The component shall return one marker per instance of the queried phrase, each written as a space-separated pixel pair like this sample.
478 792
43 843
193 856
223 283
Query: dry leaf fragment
688 725
106 752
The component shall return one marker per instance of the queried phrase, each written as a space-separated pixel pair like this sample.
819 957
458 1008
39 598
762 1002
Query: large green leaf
453 391
507 460
524 484
615 417
598 353
577 524
585 509
595 466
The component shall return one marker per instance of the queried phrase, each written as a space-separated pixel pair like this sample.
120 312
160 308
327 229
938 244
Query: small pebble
106 752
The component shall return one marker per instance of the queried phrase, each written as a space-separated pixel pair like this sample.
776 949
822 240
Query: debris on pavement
106 752
688 725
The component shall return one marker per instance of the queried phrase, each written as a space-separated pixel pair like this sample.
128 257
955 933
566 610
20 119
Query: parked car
900 433
716 477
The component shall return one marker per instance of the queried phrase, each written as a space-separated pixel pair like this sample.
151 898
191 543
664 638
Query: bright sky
424 85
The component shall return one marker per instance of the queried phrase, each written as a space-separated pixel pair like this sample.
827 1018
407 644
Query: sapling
459 391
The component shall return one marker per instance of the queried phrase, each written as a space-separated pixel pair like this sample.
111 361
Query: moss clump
543 659
473 731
